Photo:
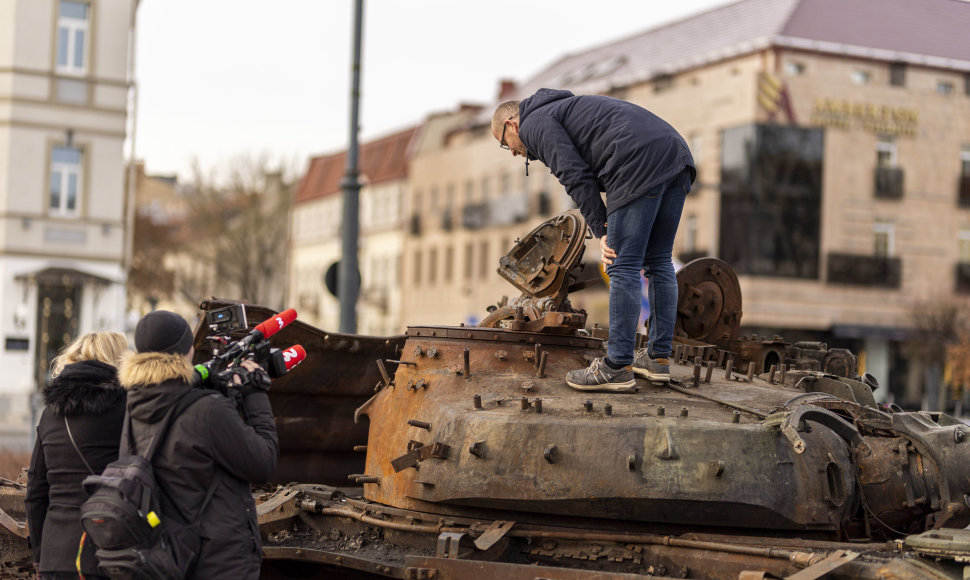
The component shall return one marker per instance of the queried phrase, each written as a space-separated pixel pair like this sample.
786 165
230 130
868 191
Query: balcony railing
889 183
859 270
963 277
544 204
963 195
475 216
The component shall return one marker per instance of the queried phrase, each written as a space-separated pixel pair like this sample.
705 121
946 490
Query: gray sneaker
598 376
653 369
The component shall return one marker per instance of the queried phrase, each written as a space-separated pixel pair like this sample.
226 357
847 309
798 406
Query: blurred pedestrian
78 435
593 144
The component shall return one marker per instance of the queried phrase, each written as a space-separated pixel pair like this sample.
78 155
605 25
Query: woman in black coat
84 401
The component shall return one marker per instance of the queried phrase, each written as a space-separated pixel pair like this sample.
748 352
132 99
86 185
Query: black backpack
123 517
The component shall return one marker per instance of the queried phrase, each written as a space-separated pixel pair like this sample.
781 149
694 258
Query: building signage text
881 119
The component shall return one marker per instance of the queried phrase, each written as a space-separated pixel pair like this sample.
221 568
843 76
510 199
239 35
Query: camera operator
209 451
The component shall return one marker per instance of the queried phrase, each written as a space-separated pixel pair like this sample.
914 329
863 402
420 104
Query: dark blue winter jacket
594 143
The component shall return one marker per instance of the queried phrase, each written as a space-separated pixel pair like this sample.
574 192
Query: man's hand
249 378
608 253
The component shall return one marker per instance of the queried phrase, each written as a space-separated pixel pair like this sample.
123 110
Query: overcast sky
221 78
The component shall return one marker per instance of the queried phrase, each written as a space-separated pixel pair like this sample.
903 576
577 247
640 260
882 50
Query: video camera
217 373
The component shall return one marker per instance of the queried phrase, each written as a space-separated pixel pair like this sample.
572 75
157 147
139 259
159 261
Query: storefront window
771 196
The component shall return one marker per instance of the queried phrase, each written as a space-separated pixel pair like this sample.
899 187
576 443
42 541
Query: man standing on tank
594 144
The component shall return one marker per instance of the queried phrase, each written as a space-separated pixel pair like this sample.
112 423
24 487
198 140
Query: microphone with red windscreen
274 324
293 356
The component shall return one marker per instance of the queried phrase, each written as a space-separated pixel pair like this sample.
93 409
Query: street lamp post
348 272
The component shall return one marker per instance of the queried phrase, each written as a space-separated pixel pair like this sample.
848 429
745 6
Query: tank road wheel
708 301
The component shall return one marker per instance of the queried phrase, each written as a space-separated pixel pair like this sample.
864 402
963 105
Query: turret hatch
538 264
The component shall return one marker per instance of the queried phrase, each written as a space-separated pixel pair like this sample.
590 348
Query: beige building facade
315 240
64 82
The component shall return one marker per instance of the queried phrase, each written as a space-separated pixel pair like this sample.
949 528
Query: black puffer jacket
87 393
594 143
207 445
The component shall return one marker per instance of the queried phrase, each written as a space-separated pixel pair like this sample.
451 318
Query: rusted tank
761 459
456 452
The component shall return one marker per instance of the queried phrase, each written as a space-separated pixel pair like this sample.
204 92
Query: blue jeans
642 234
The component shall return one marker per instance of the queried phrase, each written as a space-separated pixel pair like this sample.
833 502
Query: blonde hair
107 347
504 112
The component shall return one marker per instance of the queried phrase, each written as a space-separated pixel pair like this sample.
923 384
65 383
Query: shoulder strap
76 448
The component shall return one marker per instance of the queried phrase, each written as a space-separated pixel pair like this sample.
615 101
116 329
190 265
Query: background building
64 80
315 245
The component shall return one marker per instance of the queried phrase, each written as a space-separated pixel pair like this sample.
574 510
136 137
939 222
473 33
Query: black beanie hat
163 331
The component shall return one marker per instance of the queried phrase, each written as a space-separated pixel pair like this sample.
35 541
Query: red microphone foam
274 324
293 356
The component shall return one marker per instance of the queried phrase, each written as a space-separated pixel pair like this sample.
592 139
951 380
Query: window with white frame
861 77
886 152
965 161
450 196
963 246
449 264
690 242
72 37
65 181
794 68
883 235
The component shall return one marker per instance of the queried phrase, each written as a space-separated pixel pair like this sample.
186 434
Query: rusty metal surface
685 469
832 562
340 559
766 468
334 525
451 569
539 264
709 301
314 403
709 312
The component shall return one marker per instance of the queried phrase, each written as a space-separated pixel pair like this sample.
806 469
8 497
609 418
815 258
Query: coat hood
84 388
151 368
540 98
154 380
